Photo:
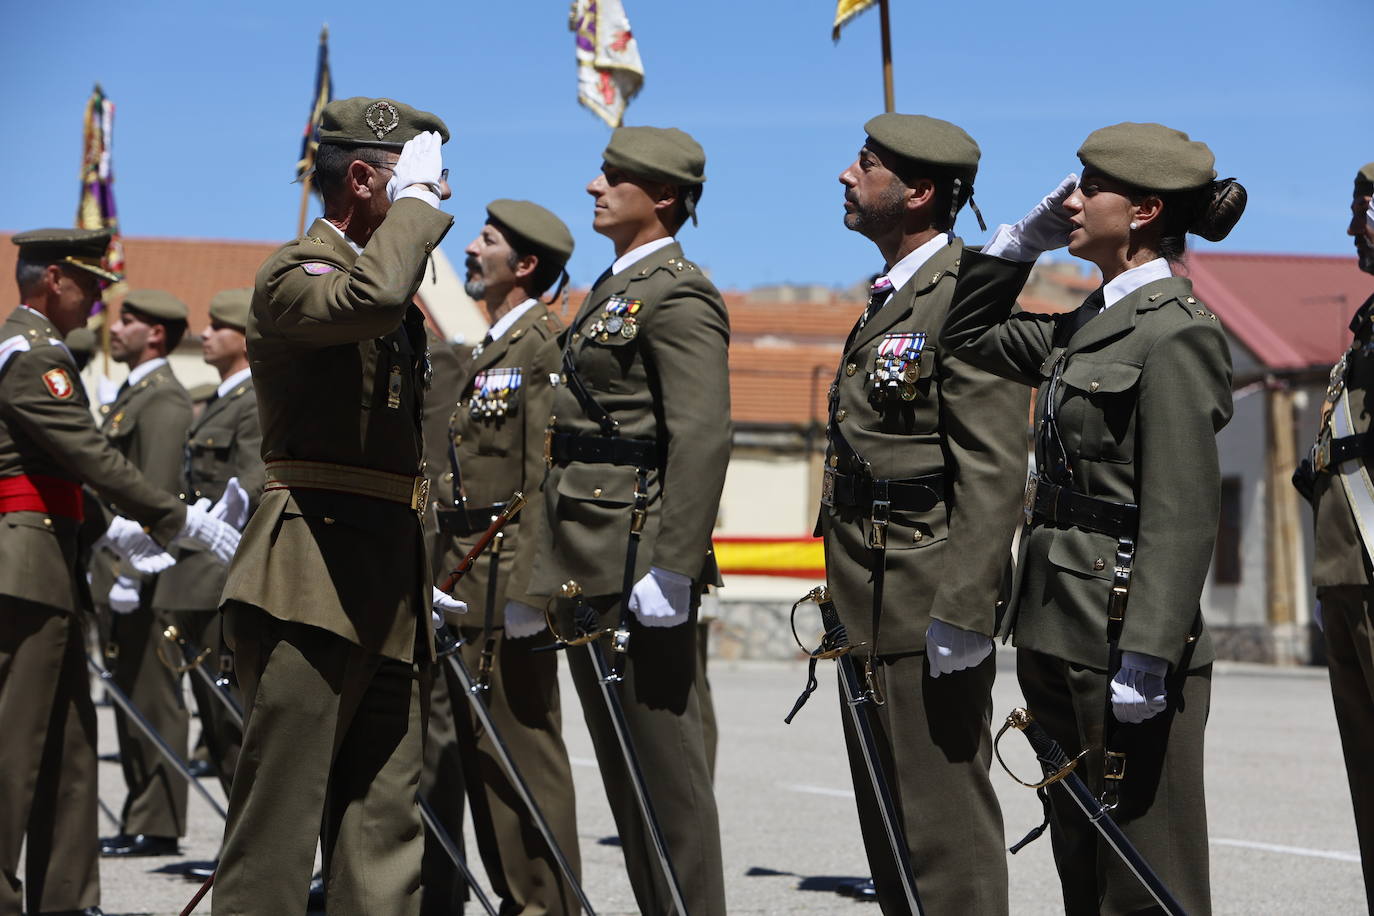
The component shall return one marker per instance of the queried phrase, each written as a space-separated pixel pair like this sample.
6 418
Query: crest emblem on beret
59 384
382 118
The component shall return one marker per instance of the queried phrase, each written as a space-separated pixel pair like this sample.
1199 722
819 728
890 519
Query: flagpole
888 103
305 204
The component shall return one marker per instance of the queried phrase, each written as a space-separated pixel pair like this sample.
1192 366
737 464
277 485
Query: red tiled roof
783 385
1290 311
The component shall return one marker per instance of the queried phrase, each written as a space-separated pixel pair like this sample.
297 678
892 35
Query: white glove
1045 228
950 648
447 609
1369 218
232 508
662 598
218 537
127 538
123 595
420 167
523 620
1138 689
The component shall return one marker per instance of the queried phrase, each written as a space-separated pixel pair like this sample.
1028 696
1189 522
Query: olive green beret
231 307
1364 180
926 140
80 340
83 248
533 225
156 304
658 153
366 121
1150 156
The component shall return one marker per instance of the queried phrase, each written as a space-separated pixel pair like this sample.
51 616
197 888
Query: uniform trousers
936 749
220 733
662 700
443 889
1163 808
1346 613
524 704
156 801
47 761
332 747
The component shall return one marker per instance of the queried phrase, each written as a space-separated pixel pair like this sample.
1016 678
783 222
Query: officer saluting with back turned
49 446
641 434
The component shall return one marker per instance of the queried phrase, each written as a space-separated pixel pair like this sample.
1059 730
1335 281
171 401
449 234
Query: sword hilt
1055 762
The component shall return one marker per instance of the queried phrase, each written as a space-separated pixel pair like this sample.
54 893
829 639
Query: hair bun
1224 204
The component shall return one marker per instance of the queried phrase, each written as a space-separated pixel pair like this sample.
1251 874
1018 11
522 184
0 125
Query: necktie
877 295
1086 312
486 342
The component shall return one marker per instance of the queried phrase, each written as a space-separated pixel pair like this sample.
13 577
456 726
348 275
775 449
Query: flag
324 93
846 10
609 72
96 209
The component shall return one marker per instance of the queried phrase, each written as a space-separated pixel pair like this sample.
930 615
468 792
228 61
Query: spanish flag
323 95
609 72
798 557
846 10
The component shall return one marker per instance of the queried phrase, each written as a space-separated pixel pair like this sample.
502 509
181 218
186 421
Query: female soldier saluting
1123 505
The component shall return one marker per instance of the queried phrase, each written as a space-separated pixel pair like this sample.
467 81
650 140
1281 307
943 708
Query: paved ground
1282 836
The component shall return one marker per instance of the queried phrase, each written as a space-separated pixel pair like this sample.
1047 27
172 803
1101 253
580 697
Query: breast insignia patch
316 269
59 384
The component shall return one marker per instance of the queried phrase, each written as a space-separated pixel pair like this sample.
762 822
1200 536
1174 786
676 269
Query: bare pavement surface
1282 837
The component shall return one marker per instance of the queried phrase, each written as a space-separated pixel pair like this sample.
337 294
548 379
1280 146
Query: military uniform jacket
668 382
338 357
948 561
223 442
147 423
46 429
499 442
1145 387
1340 555
448 371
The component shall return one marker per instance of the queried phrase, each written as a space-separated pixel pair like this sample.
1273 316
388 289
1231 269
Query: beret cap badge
382 118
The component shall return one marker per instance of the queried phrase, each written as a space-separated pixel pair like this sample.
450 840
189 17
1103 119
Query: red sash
38 493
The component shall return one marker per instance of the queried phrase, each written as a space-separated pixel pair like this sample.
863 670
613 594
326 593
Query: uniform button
597 493
48 522
851 369
209 441
448 475
834 461
181 496
840 415
1094 385
328 520
1190 300
917 537
1099 563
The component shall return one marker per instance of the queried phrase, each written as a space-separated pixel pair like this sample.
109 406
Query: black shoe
861 889
199 768
123 846
315 902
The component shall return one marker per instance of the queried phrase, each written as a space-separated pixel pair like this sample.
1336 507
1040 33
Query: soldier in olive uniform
925 463
1134 385
1336 480
497 435
147 423
49 446
328 602
223 443
645 403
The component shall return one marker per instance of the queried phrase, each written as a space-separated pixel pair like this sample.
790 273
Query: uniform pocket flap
1086 553
607 484
1100 375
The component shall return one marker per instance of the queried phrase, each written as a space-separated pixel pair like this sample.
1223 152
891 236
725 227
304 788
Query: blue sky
211 99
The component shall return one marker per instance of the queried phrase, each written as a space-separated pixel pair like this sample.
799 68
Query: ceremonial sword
1059 768
835 644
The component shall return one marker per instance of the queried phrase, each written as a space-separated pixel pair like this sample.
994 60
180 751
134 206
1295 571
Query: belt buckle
828 488
1321 453
419 495
1028 502
877 520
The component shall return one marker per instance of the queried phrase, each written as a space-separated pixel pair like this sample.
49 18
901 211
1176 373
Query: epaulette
681 265
1194 308
12 346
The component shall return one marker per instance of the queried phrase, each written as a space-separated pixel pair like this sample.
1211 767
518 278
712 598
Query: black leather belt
474 521
563 448
1331 453
1056 505
905 494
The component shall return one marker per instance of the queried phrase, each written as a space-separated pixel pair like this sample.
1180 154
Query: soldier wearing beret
924 463
147 423
49 447
1335 478
645 406
1112 653
328 602
496 447
223 443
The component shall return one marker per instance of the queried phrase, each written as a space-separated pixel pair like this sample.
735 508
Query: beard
879 216
474 285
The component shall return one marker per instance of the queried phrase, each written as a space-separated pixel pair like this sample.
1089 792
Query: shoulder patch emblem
317 269
59 384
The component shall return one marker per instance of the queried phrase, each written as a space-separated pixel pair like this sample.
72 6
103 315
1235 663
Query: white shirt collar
906 268
142 370
357 249
640 253
503 324
232 381
36 312
1127 282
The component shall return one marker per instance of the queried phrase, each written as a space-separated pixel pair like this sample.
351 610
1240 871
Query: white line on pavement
819 790
1289 850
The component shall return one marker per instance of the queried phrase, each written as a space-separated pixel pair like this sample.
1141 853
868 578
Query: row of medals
618 317
896 373
491 401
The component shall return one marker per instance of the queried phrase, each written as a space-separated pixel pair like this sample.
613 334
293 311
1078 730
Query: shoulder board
550 324
14 345
1195 309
